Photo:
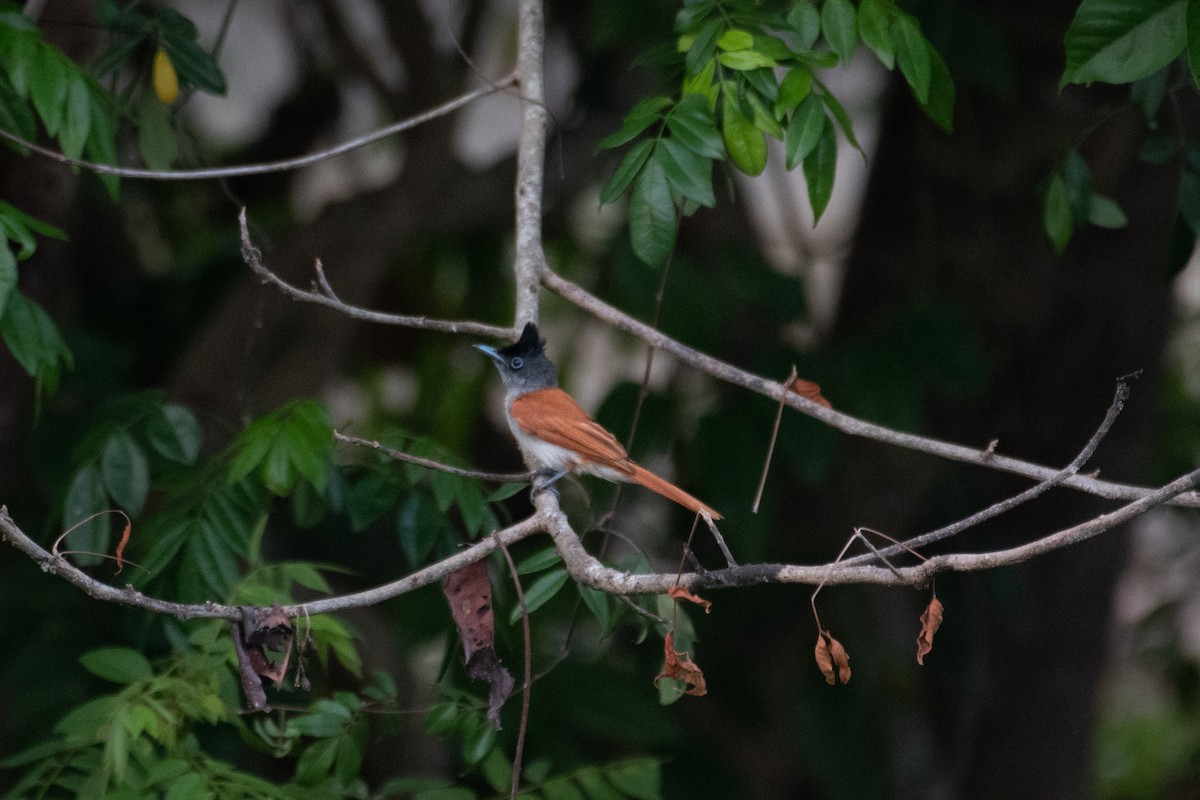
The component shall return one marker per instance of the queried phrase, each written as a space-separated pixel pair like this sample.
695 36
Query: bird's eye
517 362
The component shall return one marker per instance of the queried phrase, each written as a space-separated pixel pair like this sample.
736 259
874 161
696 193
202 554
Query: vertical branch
530 260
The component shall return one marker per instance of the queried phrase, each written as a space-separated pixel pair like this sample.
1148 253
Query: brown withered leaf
121 545
268 636
469 593
681 667
931 620
832 656
677 592
809 390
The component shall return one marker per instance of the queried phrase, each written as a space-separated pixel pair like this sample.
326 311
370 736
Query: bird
556 435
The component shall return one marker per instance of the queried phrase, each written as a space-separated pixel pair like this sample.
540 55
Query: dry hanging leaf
469 593
677 592
121 545
268 629
809 391
830 656
681 667
931 620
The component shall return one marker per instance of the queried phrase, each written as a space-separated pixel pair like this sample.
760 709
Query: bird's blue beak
490 352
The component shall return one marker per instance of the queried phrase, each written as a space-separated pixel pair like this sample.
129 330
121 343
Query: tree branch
576 294
326 297
285 165
530 262
57 565
491 477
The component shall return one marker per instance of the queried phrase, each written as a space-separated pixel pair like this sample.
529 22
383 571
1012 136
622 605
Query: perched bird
555 435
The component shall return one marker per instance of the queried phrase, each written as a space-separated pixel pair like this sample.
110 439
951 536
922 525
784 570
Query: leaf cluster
750 72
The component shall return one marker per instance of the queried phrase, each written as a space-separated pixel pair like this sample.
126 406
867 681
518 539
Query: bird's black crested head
523 364
529 345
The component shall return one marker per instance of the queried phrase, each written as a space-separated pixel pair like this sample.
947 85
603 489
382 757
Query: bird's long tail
644 477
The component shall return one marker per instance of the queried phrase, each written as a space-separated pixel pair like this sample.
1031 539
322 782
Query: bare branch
129 596
285 165
853 426
530 262
491 477
325 297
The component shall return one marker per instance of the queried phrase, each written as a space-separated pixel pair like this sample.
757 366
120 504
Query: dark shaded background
956 320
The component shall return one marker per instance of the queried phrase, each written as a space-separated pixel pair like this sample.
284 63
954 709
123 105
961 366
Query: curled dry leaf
121 545
832 659
681 667
809 391
677 592
469 593
267 632
931 620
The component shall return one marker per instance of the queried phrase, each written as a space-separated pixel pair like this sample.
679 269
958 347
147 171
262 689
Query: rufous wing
553 416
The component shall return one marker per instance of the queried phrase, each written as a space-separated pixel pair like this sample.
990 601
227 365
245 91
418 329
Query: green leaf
597 602
839 22
1103 212
77 121
85 497
693 125
640 778
652 221
689 174
805 22
875 28
819 168
743 60
8 276
419 525
15 115
21 227
540 592
795 86
560 789
478 743
156 136
746 144
626 171
640 117
703 47
804 130
841 117
734 39
1057 219
117 664
193 64
49 83
597 788
764 120
1121 41
912 53
34 340
101 147
125 471
543 559
939 106
190 786
175 433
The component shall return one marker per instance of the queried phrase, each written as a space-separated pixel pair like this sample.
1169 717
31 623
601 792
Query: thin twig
264 168
762 481
1120 395
253 258
399 455
519 750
